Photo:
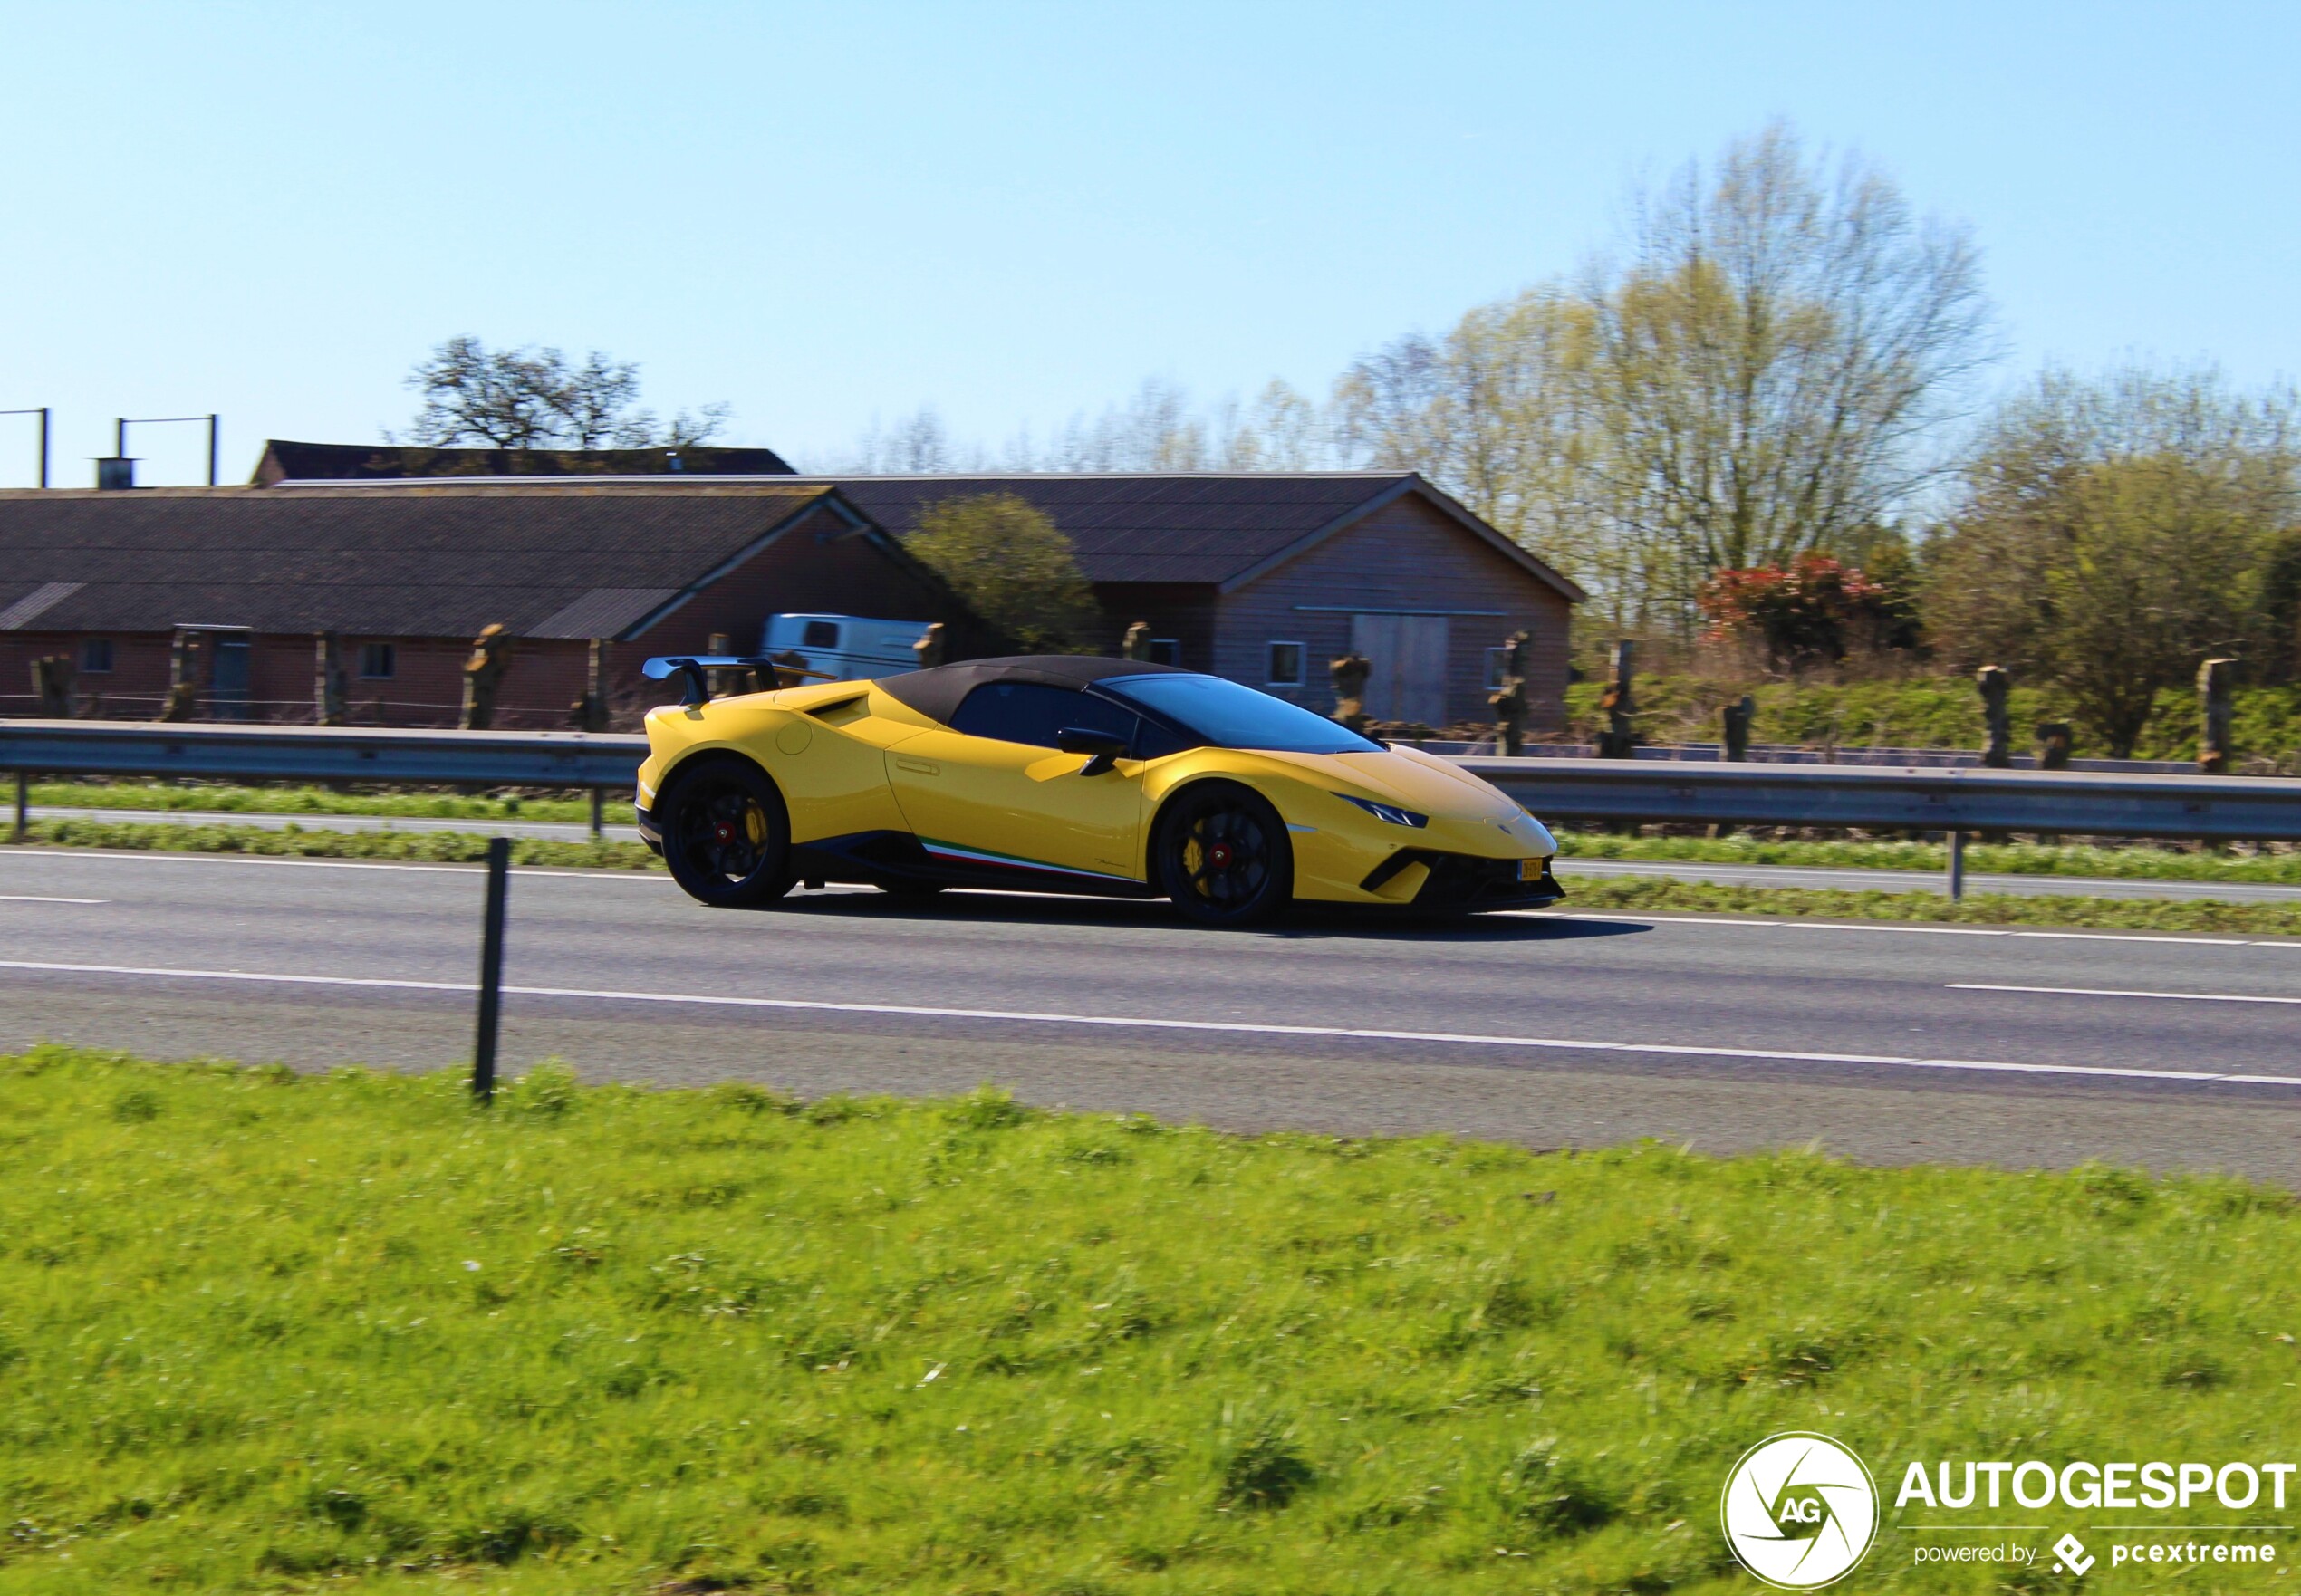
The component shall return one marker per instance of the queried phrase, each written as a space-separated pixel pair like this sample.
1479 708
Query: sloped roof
1218 528
285 459
547 559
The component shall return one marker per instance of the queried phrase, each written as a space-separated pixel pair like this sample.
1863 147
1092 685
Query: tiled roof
1210 527
283 459
410 559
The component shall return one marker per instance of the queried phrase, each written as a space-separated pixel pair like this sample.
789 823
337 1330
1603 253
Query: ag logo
1799 1511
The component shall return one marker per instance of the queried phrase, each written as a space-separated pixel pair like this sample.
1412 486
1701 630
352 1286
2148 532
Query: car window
1032 712
1232 716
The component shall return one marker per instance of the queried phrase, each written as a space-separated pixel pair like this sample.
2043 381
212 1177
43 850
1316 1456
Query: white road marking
1133 1022
29 897
1785 923
2117 992
329 864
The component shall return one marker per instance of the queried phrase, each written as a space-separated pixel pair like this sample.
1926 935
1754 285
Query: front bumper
649 832
1466 881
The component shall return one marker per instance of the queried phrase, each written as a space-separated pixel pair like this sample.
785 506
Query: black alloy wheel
727 835
1222 856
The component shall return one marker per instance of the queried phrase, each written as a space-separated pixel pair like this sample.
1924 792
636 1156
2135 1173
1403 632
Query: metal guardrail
223 752
2214 808
1958 802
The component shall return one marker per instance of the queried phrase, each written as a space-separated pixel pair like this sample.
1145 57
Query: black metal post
211 450
23 805
599 815
491 971
44 446
1957 866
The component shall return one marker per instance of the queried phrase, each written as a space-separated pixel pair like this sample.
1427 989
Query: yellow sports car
1072 774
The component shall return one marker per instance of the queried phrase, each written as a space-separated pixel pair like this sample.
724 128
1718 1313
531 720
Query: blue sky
1015 212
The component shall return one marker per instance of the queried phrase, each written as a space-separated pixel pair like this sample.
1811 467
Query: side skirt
899 859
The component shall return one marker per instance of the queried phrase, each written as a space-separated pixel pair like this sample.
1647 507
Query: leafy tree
537 398
1014 567
2116 532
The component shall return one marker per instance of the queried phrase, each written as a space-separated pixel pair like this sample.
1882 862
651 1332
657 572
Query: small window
1166 651
379 661
819 634
1286 666
1033 713
95 655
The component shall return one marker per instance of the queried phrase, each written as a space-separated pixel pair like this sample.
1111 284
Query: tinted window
819 634
1232 717
1031 712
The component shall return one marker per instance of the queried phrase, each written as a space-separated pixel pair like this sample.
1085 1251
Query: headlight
1391 812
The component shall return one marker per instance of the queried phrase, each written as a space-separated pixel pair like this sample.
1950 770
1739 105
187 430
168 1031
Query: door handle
926 767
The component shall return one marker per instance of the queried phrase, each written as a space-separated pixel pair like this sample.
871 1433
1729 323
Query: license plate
1530 870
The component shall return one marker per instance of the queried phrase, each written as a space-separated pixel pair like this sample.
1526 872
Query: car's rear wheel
727 835
1221 854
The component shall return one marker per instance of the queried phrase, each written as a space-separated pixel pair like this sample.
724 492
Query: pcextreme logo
1799 1510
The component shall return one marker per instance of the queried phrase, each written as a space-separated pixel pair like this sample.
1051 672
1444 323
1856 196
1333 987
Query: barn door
227 688
1408 656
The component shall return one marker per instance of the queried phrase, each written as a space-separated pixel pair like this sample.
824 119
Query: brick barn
407 573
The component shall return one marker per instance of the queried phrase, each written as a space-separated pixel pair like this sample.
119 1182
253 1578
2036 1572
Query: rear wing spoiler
692 669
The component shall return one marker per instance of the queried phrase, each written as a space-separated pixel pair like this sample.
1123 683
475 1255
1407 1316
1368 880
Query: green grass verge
1978 908
2014 859
442 847
1663 894
265 1332
1926 712
230 800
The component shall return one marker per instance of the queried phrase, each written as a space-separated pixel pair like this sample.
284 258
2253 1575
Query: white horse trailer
847 648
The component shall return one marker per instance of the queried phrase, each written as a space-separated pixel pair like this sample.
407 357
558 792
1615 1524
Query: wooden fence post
1995 686
1619 738
2213 680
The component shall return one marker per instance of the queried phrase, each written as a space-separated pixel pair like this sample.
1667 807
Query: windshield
1232 717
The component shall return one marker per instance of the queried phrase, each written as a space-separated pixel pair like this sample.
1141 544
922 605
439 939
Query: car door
994 789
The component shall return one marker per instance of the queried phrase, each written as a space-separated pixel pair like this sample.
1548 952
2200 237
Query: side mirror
1103 749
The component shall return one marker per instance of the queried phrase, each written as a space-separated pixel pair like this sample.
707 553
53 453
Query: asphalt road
1890 1044
1732 875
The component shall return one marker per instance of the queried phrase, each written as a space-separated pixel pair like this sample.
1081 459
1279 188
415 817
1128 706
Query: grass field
2277 865
2266 865
218 798
260 1333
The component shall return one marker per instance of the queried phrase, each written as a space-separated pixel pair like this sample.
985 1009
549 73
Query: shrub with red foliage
1816 611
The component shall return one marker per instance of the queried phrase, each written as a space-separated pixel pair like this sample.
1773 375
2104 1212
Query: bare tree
1774 360
537 398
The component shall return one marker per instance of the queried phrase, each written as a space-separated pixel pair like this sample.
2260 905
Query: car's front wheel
1221 854
727 835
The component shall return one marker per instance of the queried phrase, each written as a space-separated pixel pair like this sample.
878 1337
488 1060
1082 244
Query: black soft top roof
936 693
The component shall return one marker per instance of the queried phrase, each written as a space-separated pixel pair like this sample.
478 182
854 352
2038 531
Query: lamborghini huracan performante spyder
1067 773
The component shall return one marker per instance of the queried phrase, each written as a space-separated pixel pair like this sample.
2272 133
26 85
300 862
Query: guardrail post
599 815
23 805
1957 866
491 971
